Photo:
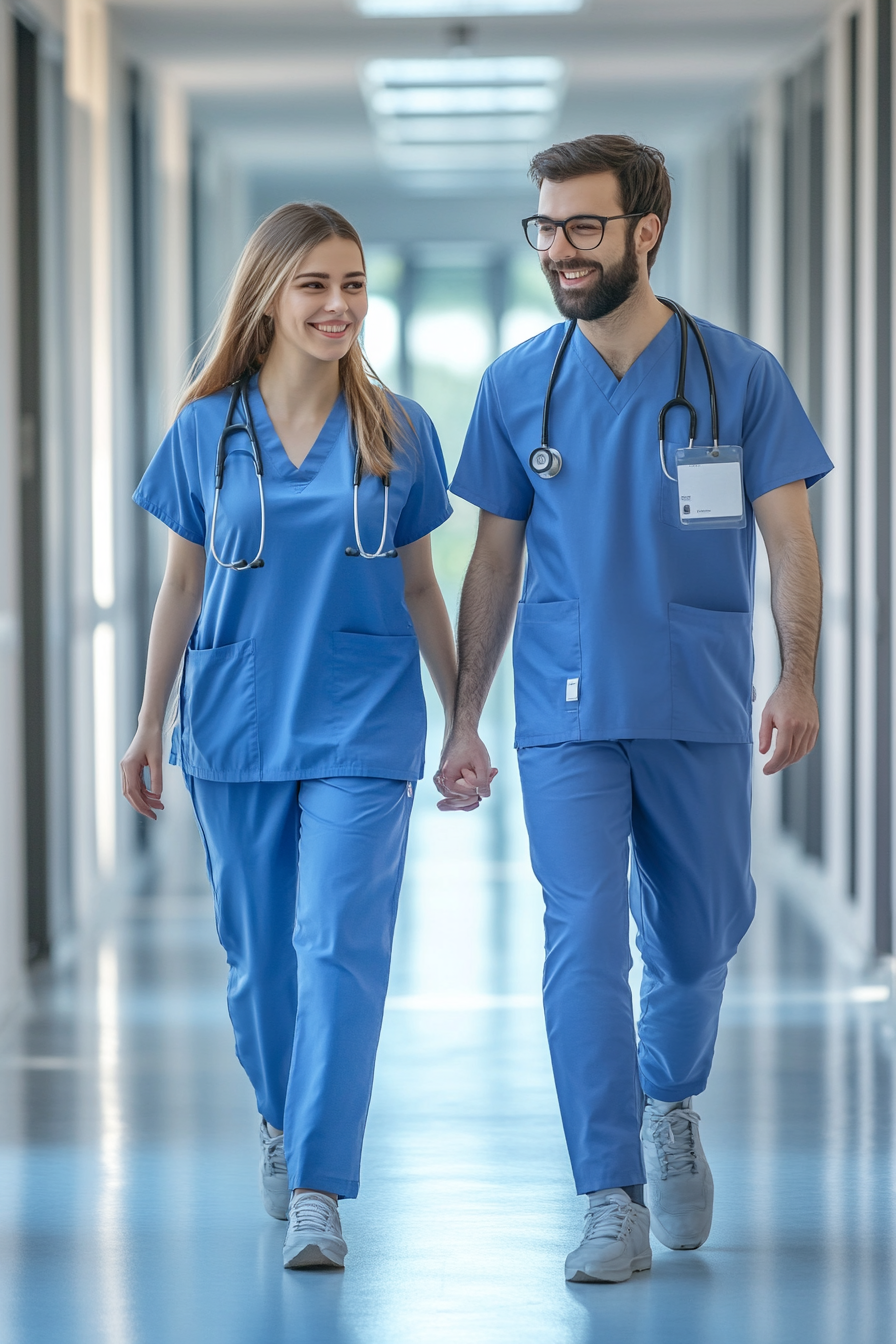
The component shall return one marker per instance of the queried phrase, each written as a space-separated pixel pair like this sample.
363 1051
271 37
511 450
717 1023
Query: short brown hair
640 170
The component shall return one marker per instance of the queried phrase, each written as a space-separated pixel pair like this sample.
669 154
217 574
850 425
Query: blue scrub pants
306 879
684 807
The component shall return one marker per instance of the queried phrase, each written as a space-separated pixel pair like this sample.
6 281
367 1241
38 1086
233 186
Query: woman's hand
465 772
145 752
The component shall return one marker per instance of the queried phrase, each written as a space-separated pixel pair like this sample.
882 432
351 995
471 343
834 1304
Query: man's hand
793 712
465 772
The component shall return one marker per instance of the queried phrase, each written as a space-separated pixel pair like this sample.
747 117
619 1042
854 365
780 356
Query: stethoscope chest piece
545 462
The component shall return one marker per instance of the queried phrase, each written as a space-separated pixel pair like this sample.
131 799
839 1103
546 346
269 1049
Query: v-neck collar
275 457
619 391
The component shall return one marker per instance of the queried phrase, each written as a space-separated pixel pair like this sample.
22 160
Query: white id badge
711 486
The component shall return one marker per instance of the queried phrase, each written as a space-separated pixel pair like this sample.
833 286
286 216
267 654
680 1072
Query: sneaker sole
678 1245
670 1242
614 1275
314 1257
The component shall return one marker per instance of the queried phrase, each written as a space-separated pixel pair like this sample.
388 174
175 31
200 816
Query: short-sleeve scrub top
631 626
308 667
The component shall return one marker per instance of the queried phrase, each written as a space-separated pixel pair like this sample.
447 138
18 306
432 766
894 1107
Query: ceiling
275 92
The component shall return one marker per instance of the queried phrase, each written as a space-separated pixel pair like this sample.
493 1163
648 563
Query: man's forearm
796 606
487 606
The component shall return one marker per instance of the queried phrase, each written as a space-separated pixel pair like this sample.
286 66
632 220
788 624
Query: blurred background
140 143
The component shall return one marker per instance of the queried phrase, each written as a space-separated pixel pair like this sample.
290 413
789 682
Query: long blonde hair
242 336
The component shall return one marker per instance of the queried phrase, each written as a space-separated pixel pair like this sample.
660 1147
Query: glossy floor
129 1211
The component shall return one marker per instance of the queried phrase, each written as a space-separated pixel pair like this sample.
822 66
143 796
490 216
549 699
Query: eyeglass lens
583 234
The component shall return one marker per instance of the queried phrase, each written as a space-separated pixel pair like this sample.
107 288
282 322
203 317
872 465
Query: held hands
465 772
793 711
145 752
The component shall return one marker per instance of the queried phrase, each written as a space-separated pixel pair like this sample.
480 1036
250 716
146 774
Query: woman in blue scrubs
301 713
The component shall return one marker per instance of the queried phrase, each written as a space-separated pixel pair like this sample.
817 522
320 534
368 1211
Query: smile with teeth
331 328
574 275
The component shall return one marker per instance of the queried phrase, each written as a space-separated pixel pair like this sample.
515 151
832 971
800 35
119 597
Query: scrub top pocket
219 731
378 695
547 671
712 674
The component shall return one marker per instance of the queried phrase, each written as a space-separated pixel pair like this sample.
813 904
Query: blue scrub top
655 620
308 668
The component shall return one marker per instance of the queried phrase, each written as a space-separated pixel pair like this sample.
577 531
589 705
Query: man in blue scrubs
633 669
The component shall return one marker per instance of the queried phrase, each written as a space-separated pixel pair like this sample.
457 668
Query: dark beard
604 294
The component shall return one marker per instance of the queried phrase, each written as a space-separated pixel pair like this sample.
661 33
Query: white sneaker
272 1173
679 1187
616 1243
314 1236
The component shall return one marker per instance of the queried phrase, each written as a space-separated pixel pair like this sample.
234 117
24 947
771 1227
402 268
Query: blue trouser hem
332 1185
608 1178
691 1089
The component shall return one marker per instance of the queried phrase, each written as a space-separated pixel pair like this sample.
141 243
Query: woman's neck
295 386
299 392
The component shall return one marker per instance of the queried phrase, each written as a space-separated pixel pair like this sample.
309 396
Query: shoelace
610 1220
309 1214
673 1134
274 1157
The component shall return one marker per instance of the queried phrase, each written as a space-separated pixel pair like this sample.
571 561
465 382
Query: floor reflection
129 1211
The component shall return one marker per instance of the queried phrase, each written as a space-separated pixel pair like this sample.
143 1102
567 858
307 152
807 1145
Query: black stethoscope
546 461
240 395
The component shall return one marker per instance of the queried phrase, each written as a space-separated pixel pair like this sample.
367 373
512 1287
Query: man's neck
621 336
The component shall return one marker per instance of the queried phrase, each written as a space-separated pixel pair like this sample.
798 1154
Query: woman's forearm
176 612
436 638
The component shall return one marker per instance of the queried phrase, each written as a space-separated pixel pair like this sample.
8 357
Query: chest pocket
219 732
547 672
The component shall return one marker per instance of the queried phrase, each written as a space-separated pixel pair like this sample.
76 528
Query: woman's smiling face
321 309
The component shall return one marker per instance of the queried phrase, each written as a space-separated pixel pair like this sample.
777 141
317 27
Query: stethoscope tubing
552 459
567 337
358 549
685 321
246 426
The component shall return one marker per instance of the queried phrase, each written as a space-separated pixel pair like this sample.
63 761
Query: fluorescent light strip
478 70
460 130
462 9
445 102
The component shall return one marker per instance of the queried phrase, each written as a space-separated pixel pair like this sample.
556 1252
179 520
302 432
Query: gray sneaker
272 1173
616 1243
679 1187
314 1236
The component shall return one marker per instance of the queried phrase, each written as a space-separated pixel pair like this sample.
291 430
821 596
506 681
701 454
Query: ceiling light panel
434 102
474 70
461 130
470 113
462 9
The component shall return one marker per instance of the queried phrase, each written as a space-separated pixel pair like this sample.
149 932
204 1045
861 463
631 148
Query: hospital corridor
145 148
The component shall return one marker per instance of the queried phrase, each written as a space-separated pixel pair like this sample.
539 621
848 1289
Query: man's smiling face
588 285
